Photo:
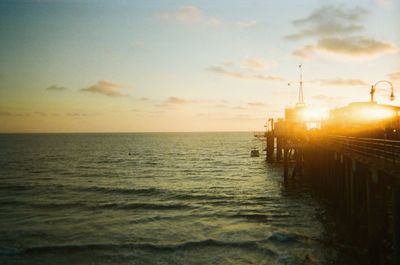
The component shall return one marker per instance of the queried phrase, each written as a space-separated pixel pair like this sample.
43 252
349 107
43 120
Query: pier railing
388 150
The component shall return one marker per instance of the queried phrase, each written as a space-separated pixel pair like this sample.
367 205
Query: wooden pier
358 177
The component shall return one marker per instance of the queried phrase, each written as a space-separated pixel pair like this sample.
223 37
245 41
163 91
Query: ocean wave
252 216
43 205
194 196
15 188
9 203
139 205
62 205
7 251
110 206
283 237
252 245
133 191
111 161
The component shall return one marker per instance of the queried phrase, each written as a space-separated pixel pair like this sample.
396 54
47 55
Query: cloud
356 47
243 76
384 3
176 100
39 113
76 114
56 88
6 113
306 52
81 114
337 30
171 102
193 15
246 24
221 106
228 64
341 82
106 88
189 15
257 104
329 21
13 114
238 108
254 64
395 76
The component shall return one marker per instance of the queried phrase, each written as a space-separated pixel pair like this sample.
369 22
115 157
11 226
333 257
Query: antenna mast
301 98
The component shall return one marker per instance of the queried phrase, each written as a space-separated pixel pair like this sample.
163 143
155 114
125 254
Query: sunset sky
127 66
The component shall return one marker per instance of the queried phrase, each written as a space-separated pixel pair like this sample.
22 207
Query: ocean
153 198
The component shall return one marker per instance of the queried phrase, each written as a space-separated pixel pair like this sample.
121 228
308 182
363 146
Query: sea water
152 198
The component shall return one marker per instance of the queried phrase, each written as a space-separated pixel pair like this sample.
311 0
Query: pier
353 165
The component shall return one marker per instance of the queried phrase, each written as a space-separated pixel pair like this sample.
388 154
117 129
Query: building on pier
365 119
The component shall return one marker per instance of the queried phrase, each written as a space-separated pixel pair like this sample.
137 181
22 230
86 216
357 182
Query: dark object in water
254 153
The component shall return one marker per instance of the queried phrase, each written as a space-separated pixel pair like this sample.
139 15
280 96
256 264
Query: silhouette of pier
353 164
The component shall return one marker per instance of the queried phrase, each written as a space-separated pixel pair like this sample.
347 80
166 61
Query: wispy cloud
254 63
221 106
238 108
341 82
56 88
246 24
81 113
244 76
76 114
176 100
6 113
338 30
257 104
228 64
106 88
305 52
13 114
329 21
189 15
193 15
356 47
394 76
384 3
173 101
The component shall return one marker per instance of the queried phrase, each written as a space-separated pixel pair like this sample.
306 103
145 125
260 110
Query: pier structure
352 161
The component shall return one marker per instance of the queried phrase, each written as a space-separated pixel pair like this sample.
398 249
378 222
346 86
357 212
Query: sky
166 66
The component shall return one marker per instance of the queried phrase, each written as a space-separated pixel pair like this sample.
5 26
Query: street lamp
373 89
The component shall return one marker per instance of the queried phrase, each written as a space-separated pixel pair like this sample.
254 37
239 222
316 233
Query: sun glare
374 113
314 114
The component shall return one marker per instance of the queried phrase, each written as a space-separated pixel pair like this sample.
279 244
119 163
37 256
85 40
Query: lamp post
373 89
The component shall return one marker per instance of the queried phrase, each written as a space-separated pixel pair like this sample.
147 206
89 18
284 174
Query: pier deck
360 177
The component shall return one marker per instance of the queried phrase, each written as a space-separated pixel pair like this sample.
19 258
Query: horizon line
122 132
